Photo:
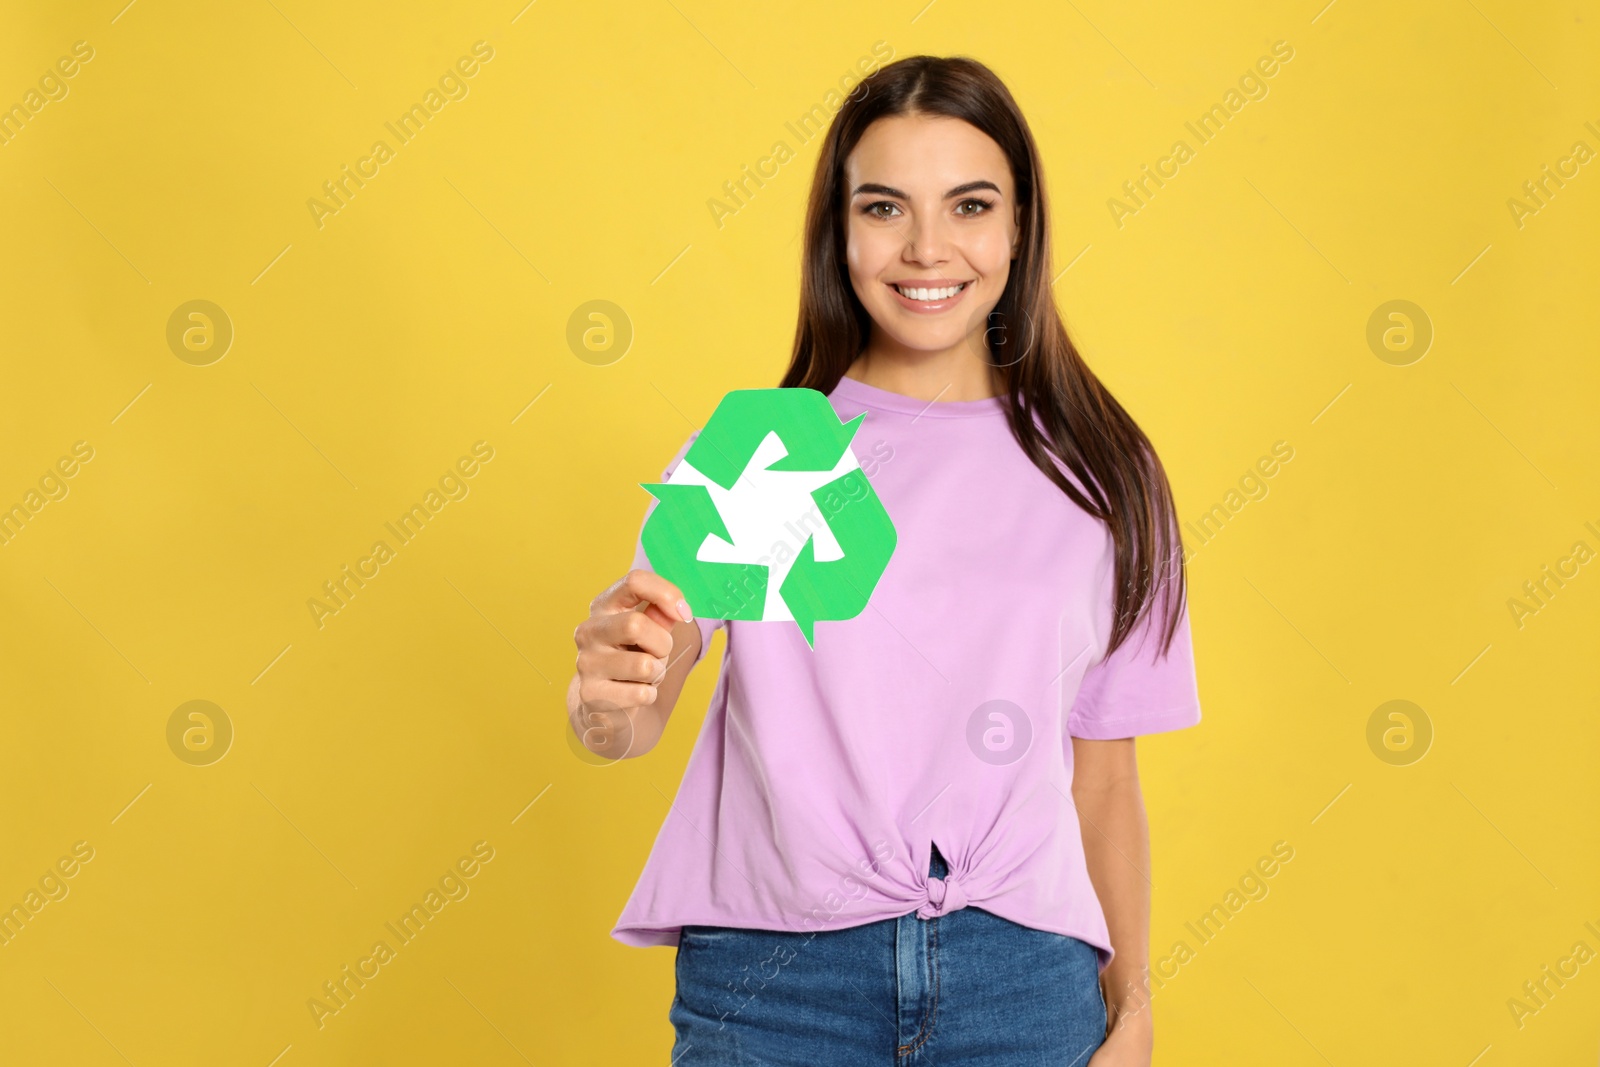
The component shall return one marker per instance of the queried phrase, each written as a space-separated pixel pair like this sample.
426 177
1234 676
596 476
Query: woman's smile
930 297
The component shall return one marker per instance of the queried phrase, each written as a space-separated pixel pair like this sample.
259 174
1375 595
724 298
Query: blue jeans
965 988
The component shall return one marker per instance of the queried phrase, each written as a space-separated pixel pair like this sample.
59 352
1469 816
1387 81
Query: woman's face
930 207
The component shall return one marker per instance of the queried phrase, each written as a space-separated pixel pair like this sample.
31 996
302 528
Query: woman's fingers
648 594
624 644
622 665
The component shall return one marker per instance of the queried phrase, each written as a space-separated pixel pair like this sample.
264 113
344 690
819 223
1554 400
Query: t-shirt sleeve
641 560
1138 689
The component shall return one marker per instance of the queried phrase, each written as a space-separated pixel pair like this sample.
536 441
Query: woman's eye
877 209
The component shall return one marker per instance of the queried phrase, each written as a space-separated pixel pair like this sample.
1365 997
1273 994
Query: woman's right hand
631 642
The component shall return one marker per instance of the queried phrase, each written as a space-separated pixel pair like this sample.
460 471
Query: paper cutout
769 516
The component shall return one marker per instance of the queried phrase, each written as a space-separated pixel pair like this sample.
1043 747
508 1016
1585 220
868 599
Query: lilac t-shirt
942 714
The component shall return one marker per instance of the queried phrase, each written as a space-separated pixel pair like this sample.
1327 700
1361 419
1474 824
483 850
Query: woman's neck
955 374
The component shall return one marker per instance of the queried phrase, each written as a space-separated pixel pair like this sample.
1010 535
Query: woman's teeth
930 294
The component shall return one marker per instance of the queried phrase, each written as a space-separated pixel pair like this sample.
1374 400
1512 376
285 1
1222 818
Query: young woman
924 835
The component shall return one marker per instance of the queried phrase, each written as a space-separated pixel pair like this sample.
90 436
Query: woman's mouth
930 298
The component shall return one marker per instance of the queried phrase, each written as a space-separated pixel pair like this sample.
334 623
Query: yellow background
432 310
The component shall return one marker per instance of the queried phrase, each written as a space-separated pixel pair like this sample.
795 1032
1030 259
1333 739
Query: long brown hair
1079 423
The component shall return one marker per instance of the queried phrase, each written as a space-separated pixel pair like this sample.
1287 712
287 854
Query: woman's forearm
1116 845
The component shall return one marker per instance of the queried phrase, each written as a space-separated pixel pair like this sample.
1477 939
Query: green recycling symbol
769 516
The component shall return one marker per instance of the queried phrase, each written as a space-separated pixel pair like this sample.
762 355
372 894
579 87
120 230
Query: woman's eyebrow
889 190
